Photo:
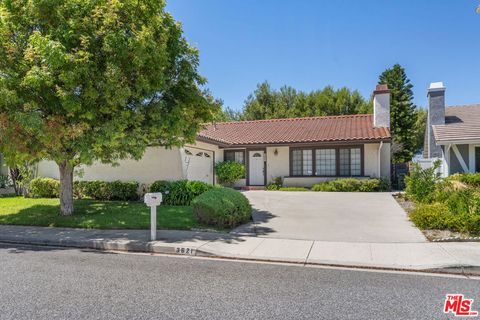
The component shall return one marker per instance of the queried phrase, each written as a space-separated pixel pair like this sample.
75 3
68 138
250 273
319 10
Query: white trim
446 162
471 157
459 141
460 158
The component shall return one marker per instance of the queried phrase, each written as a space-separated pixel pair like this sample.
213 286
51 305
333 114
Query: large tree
95 80
266 103
403 113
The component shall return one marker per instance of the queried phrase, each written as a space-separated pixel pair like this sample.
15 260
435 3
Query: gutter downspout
379 159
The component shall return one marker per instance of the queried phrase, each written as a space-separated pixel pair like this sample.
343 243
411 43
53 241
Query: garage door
199 165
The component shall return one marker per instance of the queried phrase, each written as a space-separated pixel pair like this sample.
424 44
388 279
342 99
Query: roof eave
297 143
474 140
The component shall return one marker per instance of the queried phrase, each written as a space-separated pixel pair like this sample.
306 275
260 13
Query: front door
256 168
477 159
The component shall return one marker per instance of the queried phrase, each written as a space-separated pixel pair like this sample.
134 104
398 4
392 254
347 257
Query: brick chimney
381 106
436 116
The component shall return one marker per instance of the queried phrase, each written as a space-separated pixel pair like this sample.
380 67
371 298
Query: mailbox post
153 200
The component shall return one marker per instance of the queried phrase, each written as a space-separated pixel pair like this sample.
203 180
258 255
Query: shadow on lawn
89 215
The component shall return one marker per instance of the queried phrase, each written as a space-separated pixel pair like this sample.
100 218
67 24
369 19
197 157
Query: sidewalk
411 256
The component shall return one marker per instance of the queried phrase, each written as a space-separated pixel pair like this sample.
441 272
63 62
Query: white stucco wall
277 165
371 160
157 164
385 161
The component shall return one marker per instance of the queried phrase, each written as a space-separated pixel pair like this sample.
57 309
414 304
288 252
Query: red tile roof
295 130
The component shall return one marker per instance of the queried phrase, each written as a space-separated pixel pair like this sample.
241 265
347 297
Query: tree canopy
403 113
267 103
87 80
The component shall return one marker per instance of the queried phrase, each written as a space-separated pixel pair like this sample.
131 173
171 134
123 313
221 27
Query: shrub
275 185
352 185
293 189
229 172
102 190
470 179
160 186
430 216
44 188
5 181
222 207
439 216
181 192
463 201
421 183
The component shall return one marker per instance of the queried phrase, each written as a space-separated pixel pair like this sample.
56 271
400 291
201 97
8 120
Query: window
477 159
302 162
235 156
350 162
327 162
297 162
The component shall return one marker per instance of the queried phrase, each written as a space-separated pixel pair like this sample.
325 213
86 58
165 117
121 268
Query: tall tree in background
88 80
265 103
403 113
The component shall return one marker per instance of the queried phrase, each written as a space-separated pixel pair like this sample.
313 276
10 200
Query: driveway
331 216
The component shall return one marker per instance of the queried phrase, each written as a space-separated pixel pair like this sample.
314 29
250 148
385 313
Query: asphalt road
43 283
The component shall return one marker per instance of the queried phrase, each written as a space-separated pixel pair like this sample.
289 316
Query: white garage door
199 165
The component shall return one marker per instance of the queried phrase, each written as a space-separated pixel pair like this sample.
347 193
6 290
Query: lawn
93 214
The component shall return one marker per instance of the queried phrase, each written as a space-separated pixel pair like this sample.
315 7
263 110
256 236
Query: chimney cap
436 86
381 88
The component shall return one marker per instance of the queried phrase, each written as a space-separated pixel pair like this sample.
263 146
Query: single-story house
452 134
302 151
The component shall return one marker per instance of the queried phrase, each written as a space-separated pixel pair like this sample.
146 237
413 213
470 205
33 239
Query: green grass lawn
94 214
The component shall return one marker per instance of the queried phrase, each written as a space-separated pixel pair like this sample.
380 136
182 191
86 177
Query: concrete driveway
331 216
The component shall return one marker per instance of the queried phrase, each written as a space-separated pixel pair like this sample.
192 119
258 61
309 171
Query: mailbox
153 199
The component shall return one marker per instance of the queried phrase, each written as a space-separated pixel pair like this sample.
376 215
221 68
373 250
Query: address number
189 251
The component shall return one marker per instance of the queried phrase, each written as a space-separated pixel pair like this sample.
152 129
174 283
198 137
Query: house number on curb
188 251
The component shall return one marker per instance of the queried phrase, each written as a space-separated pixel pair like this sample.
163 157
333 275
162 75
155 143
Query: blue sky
311 44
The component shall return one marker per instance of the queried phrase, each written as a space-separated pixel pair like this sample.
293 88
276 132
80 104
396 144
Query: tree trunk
66 188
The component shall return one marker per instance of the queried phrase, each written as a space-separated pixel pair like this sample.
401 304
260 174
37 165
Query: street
53 283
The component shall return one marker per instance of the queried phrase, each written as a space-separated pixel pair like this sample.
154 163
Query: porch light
478 9
275 152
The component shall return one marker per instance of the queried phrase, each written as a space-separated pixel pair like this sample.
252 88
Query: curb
457 239
147 247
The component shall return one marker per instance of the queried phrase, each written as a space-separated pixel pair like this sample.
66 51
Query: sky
311 44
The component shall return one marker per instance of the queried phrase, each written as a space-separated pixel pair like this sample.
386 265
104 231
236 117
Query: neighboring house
302 151
452 134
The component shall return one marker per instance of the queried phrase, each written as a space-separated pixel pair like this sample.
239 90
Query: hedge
44 188
353 185
102 190
181 192
222 207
